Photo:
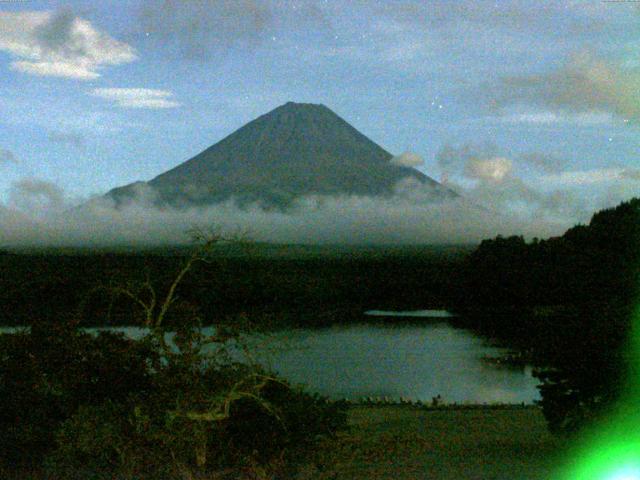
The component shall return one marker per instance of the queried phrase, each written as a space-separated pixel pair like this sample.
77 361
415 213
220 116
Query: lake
416 361
412 361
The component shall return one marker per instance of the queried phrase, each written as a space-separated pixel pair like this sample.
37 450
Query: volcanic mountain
296 149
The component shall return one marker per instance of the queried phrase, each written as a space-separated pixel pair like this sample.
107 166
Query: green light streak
611 450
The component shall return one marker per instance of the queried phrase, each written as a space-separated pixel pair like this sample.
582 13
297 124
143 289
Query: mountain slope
294 150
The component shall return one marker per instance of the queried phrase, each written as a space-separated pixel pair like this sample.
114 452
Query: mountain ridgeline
295 150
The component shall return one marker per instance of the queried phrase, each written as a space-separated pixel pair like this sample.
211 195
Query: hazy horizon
529 111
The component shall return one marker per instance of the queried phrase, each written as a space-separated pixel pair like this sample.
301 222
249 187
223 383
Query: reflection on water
409 313
413 361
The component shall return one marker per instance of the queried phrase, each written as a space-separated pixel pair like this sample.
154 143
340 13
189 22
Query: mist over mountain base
412 215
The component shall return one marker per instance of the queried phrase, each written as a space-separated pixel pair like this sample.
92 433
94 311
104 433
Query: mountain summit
296 149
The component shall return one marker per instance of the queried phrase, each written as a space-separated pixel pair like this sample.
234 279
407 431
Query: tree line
568 301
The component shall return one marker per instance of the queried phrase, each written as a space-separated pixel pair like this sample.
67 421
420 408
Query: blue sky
511 101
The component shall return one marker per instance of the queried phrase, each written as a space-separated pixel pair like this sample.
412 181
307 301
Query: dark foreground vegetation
271 286
83 406
77 405
567 303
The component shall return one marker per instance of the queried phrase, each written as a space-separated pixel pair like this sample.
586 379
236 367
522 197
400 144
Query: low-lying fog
38 213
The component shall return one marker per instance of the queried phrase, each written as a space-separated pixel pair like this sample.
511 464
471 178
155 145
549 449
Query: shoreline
441 407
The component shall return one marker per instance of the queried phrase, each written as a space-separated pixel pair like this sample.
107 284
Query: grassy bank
405 442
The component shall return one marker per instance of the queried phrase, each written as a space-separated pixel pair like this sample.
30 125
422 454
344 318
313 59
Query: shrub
147 439
47 374
111 407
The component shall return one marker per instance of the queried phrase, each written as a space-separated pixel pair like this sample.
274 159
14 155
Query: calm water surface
415 361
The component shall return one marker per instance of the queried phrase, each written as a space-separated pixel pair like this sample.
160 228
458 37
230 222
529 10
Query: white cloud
552 117
36 197
137 97
489 178
59 44
55 69
589 177
473 162
585 85
490 169
535 118
408 159
488 163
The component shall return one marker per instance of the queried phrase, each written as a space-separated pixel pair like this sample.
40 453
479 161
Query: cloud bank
59 44
548 192
495 200
39 198
38 214
590 177
584 85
